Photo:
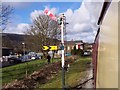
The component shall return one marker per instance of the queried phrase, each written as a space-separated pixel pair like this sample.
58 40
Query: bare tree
6 12
44 31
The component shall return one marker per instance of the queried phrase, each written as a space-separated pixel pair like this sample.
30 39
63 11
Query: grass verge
76 72
18 71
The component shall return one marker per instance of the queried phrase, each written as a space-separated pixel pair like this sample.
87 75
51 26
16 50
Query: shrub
77 52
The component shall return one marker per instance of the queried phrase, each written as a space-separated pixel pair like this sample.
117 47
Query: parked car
67 54
35 56
87 53
1 59
14 60
25 58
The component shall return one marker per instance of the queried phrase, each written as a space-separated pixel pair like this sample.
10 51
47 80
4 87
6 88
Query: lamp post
24 58
23 50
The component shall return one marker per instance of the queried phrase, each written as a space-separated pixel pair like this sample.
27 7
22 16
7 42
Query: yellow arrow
45 47
53 47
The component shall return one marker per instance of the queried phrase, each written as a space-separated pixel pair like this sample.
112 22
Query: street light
23 50
24 57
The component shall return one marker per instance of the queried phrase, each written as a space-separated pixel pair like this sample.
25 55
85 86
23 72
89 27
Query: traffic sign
53 47
45 47
50 48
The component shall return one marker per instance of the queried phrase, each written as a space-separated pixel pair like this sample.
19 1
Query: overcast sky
81 16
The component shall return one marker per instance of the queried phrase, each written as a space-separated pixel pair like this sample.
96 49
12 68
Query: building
69 45
6 51
85 46
88 47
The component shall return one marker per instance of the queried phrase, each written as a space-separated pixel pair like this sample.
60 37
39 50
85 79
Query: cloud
36 13
86 37
17 29
52 10
83 27
83 21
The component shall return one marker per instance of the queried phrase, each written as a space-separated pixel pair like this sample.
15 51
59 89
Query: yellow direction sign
53 48
50 48
45 47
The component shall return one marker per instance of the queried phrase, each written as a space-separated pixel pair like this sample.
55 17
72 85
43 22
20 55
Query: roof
73 42
6 48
